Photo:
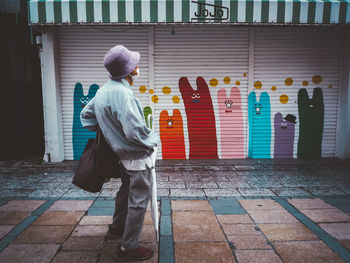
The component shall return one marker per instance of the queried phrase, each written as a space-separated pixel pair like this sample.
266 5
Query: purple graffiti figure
284 135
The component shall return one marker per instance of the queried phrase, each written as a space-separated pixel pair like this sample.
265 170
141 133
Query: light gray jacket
118 113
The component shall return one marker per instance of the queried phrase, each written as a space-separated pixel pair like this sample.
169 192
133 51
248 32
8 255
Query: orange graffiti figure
172 135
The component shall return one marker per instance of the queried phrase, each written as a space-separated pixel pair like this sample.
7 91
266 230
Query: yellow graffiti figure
227 80
289 81
151 91
258 85
213 82
155 98
166 90
305 83
273 88
284 98
143 89
317 79
238 83
176 99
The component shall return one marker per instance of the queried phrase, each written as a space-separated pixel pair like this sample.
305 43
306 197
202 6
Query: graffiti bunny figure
200 119
259 115
172 135
81 135
231 124
284 135
311 116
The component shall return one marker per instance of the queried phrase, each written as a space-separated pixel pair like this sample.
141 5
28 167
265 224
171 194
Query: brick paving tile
44 234
235 219
287 232
192 177
96 220
207 184
306 251
194 218
148 234
256 192
30 253
75 257
183 233
190 205
171 185
249 242
187 192
83 243
345 243
290 191
56 218
337 230
240 229
163 192
221 192
12 217
326 215
71 205
257 204
4 229
204 252
272 216
21 205
308 203
257 256
212 177
233 184
90 231
109 252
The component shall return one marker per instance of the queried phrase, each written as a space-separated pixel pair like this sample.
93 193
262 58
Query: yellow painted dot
244 74
330 86
238 83
273 88
227 80
143 89
166 90
284 99
289 81
317 79
155 98
258 85
213 82
176 99
151 91
305 83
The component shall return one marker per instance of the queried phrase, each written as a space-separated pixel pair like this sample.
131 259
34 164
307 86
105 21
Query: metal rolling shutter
81 52
213 53
290 59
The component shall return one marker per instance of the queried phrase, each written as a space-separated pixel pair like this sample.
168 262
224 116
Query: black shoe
114 233
136 254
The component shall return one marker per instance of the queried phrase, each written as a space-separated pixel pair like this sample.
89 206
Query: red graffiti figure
200 119
172 135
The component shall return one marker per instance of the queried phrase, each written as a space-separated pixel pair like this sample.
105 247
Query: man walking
118 113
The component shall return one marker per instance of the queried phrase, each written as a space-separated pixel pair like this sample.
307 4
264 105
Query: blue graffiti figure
80 134
259 115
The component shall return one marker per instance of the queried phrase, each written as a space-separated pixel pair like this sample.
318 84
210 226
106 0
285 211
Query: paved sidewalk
210 211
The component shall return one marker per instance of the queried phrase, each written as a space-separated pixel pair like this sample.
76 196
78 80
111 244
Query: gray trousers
131 204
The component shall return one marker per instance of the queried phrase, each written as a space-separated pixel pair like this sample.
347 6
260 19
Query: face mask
135 77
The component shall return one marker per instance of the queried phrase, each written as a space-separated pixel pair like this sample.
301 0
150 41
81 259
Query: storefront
220 79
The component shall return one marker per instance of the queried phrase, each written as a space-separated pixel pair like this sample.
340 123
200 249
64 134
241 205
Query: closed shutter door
81 53
293 104
201 86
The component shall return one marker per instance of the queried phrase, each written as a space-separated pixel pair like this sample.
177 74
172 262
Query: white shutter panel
213 53
287 60
81 53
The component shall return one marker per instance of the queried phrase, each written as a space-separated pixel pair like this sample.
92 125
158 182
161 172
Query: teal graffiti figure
80 134
311 116
146 112
259 115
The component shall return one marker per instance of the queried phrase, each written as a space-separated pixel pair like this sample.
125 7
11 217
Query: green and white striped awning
189 11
